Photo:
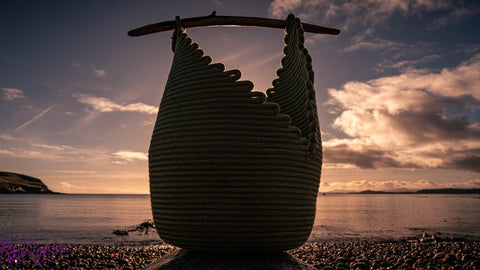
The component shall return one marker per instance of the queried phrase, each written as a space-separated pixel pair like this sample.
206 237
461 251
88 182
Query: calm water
80 219
394 216
90 219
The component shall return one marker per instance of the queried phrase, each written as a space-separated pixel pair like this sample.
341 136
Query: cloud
10 94
454 17
280 8
392 185
468 49
129 156
54 147
6 152
24 153
349 13
375 45
10 138
102 104
38 116
312 39
99 72
99 182
450 82
467 160
71 187
73 173
394 49
150 122
366 17
365 157
27 149
417 119
402 65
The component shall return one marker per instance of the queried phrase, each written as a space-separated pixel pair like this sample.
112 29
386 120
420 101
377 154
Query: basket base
186 259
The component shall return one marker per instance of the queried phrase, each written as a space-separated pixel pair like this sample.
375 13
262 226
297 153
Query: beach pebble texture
405 254
95 257
391 255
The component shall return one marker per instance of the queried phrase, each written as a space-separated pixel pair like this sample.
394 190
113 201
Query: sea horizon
365 191
92 218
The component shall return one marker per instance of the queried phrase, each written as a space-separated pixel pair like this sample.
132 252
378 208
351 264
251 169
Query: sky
398 91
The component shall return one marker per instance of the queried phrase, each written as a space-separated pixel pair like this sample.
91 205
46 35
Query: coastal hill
421 191
426 191
19 183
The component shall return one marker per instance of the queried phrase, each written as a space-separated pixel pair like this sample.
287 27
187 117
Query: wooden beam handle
214 20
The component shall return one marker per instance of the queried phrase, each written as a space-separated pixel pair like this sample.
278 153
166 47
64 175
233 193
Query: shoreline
411 254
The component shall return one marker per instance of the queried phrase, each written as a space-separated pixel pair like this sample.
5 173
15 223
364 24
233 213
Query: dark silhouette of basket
232 169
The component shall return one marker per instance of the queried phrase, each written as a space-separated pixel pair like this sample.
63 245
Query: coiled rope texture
231 169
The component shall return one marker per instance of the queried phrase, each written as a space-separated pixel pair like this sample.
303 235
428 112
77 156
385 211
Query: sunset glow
397 91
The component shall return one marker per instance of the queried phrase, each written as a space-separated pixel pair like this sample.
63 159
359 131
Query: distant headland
22 184
426 191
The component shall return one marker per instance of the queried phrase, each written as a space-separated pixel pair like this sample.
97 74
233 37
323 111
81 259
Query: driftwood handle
214 20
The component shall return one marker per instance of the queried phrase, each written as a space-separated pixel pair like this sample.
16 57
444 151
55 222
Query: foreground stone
186 259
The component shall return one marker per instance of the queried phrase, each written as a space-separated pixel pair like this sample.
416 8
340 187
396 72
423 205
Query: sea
91 219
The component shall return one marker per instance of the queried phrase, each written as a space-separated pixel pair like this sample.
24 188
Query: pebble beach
422 253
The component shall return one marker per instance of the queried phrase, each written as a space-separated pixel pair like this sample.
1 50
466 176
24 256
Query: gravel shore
411 254
391 255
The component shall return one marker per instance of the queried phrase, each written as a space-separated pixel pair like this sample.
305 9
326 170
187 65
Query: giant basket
232 169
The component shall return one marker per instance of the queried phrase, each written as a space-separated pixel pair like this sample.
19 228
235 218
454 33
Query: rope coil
231 168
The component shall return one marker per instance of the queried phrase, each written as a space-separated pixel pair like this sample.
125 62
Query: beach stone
360 265
187 259
120 232
450 258
385 264
110 265
439 256
122 261
467 258
365 261
341 266
475 263
419 266
409 261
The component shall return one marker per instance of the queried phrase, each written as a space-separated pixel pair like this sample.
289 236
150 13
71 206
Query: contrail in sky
34 118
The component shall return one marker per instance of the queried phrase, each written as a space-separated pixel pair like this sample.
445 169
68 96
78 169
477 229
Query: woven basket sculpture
232 169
